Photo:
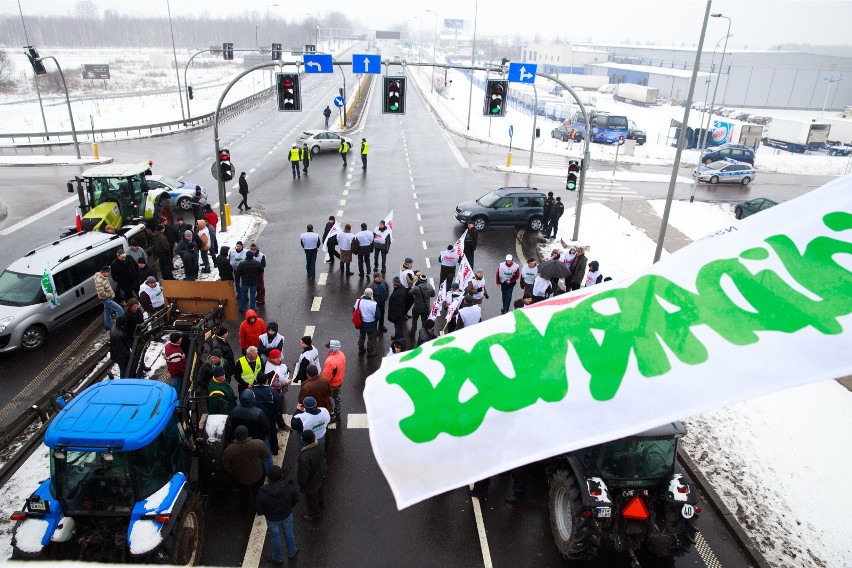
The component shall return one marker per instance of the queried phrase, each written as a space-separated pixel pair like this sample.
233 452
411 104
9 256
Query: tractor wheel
682 530
188 535
576 536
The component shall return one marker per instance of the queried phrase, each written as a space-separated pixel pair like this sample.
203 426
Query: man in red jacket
333 370
175 360
250 330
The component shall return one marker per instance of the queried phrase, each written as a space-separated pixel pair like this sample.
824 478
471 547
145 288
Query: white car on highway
319 140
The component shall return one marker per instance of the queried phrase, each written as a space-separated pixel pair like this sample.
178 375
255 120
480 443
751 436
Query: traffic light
189 93
35 60
495 97
228 51
393 95
226 169
573 173
289 94
276 52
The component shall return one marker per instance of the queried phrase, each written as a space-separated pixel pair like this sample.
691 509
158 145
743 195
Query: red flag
78 219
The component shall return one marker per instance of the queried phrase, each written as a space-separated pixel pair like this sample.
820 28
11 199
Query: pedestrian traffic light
276 52
393 95
495 97
228 51
289 94
189 93
35 60
573 172
226 169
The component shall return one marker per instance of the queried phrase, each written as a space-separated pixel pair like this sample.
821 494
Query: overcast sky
757 24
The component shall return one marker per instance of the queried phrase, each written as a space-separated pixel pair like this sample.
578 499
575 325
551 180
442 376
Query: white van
26 317
608 89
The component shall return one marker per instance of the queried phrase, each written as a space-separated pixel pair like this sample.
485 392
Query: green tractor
112 195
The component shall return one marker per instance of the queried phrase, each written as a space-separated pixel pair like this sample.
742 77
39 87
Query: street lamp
708 107
831 81
718 76
472 60
268 35
434 45
256 41
34 58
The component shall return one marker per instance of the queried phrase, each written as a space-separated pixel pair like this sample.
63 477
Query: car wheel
33 338
315 150
738 212
536 224
184 204
746 180
714 180
479 223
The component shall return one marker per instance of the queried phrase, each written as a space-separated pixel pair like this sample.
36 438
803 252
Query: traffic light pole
342 74
223 219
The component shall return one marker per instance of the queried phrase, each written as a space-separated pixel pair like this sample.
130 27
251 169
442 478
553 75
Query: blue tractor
124 480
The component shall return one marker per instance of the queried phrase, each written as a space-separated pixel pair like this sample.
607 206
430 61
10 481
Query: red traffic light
224 155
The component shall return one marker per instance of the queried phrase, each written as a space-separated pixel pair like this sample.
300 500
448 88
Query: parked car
736 152
747 208
744 116
638 135
180 192
566 133
319 140
725 171
512 206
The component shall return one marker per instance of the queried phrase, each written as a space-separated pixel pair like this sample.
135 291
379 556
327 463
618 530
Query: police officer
306 158
364 149
343 150
295 157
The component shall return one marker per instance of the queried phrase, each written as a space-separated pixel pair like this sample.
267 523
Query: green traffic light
495 110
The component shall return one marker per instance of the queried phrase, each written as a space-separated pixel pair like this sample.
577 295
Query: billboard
387 35
95 71
451 24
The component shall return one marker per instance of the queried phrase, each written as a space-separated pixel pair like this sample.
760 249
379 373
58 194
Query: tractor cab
117 194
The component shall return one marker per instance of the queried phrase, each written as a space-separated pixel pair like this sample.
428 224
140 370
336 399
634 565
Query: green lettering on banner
653 314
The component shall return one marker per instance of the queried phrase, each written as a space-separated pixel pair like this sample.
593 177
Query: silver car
322 141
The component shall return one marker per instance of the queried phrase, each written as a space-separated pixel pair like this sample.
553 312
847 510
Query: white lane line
412 186
340 212
270 153
186 174
417 206
251 171
322 279
309 330
424 246
432 282
357 421
38 216
429 263
411 179
414 195
200 164
421 230
345 192
343 203
315 305
347 184
418 217
480 529
455 151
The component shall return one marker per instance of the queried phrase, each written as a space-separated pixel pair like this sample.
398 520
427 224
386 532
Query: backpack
356 315
356 246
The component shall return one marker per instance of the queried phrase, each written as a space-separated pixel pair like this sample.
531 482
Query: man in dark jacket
220 342
427 333
248 415
316 386
205 372
243 462
120 343
545 218
275 501
163 252
471 239
223 264
420 294
244 191
555 214
248 272
397 309
125 272
381 293
271 403
332 242
310 474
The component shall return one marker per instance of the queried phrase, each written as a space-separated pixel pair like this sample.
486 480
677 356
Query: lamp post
718 78
268 34
177 69
830 81
434 45
256 41
472 60
67 101
708 107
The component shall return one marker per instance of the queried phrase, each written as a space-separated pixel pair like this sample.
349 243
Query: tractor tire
684 531
188 535
576 536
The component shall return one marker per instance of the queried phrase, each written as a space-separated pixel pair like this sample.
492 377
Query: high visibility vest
306 154
295 154
247 373
363 147
344 148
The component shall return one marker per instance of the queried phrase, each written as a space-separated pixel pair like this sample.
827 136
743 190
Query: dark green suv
512 206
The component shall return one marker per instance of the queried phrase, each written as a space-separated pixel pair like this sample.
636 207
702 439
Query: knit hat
333 344
218 371
150 280
275 354
241 433
369 293
422 278
306 339
310 402
216 353
187 233
273 326
430 324
275 473
396 281
594 265
141 260
249 255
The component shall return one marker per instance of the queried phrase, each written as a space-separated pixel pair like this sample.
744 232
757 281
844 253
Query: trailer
721 131
841 130
636 94
797 136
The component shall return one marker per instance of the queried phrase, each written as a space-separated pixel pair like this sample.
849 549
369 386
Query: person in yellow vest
248 367
295 157
306 158
364 148
343 150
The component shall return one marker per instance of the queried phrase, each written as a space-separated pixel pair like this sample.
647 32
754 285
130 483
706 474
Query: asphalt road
416 171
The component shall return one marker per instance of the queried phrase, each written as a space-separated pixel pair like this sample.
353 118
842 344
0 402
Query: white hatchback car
321 141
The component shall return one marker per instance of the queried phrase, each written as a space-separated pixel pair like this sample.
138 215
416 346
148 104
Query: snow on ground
775 460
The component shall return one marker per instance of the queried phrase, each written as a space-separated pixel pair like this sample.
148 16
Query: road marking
200 164
251 171
38 216
705 552
432 282
342 202
412 186
345 192
315 305
416 205
186 174
269 153
480 529
414 195
418 217
309 330
340 212
455 151
411 179
257 538
357 421
424 246
347 184
322 279
428 263
421 230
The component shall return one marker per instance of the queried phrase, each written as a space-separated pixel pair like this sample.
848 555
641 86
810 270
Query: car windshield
488 199
20 289
87 481
305 135
716 165
636 459
171 182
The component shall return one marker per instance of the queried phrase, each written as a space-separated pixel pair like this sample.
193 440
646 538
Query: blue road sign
366 63
338 101
317 63
511 131
522 72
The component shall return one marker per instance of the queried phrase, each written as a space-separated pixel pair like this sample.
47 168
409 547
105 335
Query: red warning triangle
636 509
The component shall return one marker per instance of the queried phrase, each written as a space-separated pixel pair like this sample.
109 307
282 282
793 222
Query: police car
180 192
725 171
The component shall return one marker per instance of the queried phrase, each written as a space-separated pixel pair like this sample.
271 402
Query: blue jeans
311 262
250 293
277 529
177 382
111 307
507 296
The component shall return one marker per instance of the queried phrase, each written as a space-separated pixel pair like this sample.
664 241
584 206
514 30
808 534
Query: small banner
761 305
49 288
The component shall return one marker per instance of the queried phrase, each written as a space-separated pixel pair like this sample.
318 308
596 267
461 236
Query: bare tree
7 73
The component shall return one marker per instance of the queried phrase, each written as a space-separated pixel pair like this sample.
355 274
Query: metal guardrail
158 129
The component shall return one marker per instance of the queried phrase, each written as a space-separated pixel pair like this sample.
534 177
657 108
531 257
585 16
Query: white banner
333 232
761 305
49 288
439 301
459 246
389 221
